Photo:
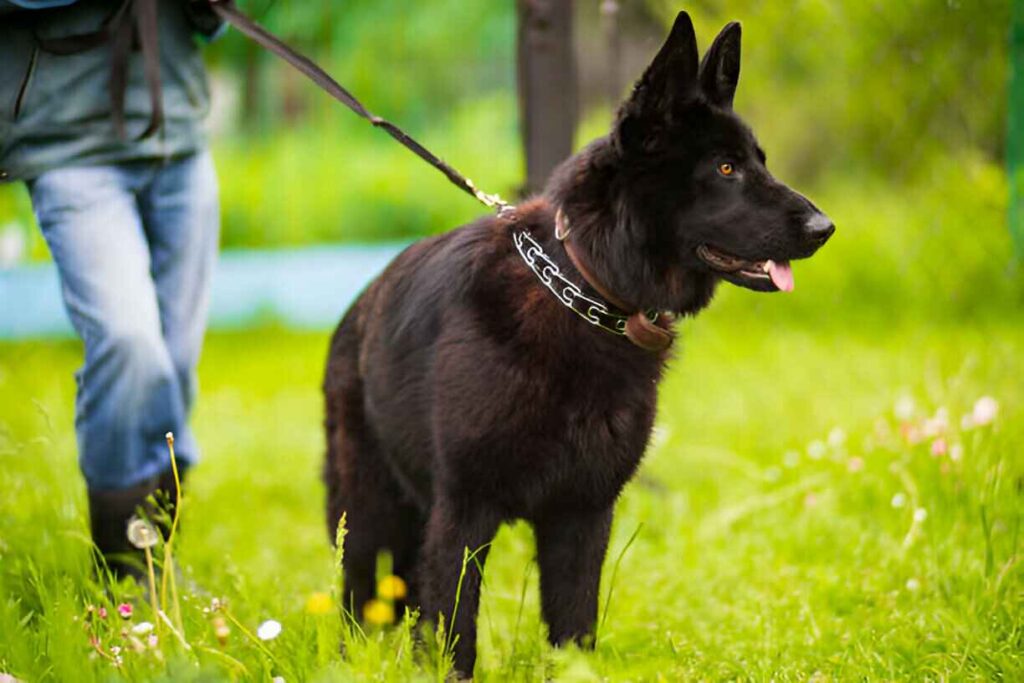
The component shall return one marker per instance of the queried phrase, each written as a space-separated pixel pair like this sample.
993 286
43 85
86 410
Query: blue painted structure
307 288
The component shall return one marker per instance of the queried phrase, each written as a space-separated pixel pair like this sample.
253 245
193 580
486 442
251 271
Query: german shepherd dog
508 369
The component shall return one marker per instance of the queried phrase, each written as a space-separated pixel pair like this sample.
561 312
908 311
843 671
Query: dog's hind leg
570 551
406 543
356 479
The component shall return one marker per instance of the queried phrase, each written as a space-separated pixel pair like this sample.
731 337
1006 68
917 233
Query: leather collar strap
640 329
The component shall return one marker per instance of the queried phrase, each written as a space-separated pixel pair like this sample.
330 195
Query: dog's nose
819 228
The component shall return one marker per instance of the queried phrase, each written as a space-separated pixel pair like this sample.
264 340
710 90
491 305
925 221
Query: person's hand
202 17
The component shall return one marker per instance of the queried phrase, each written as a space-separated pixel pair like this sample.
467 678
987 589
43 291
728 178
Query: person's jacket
56 109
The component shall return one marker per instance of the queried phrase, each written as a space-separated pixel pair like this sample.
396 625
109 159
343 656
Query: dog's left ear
720 68
668 85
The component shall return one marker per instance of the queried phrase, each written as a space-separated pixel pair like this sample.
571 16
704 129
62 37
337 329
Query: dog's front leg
451 581
570 551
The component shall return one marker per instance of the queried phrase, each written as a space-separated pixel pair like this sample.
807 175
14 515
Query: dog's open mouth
764 276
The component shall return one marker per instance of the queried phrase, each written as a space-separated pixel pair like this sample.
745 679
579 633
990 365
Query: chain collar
594 311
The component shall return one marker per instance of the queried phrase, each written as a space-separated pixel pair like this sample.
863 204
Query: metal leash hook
228 12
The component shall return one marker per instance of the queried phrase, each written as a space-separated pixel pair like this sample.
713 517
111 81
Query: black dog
461 390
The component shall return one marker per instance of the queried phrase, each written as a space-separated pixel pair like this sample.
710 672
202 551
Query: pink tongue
781 275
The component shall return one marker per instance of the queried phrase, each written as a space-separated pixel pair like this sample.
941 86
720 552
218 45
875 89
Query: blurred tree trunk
251 86
1015 129
546 65
613 44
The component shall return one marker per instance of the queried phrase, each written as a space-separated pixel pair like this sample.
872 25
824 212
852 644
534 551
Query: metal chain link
568 292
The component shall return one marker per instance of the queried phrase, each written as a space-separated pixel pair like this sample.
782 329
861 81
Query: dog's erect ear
668 83
720 68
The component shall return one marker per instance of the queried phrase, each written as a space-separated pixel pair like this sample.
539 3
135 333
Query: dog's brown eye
726 169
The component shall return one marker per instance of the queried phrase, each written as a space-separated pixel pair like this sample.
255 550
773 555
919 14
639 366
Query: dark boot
111 510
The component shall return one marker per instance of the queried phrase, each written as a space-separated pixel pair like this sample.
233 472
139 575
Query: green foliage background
892 116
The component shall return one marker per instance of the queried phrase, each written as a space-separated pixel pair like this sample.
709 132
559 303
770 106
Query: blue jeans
135 245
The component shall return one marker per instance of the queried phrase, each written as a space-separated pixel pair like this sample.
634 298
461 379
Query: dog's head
692 177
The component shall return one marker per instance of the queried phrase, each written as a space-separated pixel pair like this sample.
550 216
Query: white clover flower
816 450
269 630
913 585
142 628
956 452
899 500
904 408
985 410
920 514
935 426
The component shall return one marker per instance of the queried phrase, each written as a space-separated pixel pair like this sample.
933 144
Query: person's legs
181 218
128 391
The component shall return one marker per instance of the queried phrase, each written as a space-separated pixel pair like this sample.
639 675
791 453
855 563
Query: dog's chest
569 443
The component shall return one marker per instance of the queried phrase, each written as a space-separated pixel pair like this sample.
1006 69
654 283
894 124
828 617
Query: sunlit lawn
788 527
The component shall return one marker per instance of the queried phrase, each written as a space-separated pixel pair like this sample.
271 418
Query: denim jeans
135 245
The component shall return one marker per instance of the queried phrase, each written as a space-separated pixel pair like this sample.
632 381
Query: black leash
227 11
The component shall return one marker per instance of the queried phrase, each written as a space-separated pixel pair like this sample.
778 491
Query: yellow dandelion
319 603
391 588
378 612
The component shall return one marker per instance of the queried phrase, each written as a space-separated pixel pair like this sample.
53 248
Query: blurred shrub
872 87
341 180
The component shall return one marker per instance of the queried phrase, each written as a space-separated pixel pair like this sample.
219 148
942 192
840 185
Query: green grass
767 545
753 559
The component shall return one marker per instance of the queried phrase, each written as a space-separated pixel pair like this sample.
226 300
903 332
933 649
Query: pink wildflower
939 447
125 610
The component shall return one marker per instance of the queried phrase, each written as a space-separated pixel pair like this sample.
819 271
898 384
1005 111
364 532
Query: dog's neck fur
635 257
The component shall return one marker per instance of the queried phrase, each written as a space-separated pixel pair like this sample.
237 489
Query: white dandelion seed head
899 500
141 533
269 630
